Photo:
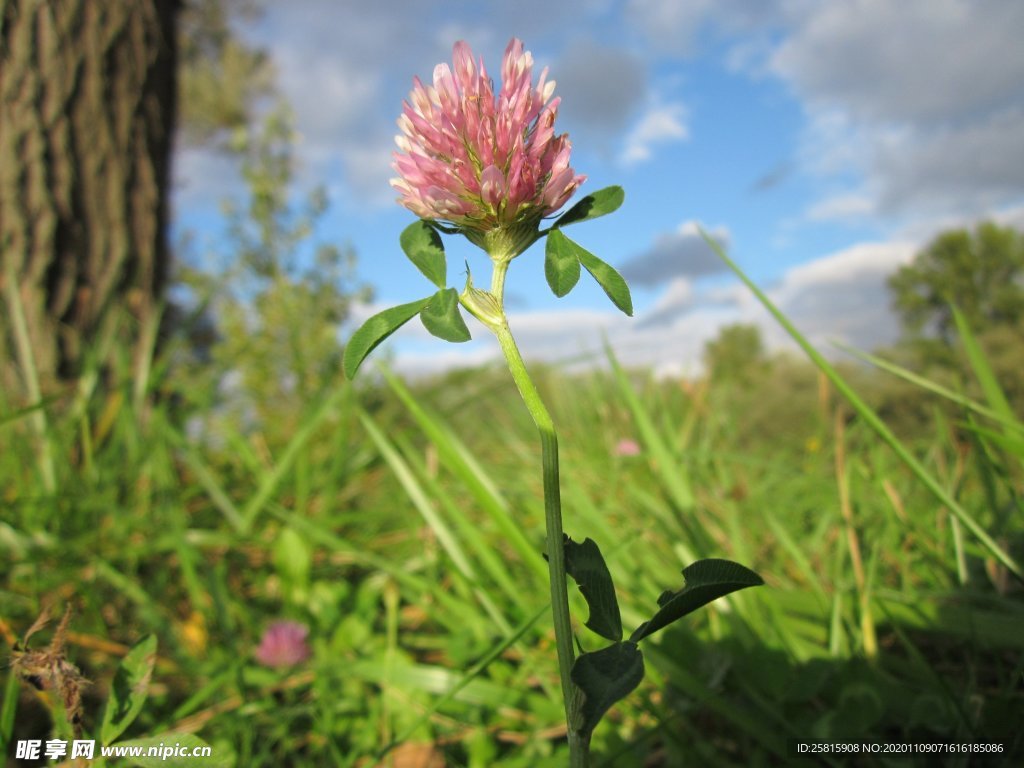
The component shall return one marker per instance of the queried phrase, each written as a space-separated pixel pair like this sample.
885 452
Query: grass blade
471 674
873 421
271 480
419 498
460 461
1006 421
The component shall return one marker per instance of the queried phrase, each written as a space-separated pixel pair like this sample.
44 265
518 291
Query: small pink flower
283 644
478 161
627 447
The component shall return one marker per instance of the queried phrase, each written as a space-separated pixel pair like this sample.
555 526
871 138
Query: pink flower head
627 447
283 644
478 161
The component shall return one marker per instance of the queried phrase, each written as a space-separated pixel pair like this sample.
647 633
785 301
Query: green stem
578 747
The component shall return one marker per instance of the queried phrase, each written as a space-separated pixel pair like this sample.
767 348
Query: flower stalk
555 550
491 168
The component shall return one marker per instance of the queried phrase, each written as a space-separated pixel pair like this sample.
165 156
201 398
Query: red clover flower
283 644
479 162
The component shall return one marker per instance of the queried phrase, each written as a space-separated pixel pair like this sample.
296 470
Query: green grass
403 524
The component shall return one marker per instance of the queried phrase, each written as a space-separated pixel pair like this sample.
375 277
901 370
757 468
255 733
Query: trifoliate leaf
599 203
375 330
588 569
609 280
705 580
605 677
561 264
422 244
442 317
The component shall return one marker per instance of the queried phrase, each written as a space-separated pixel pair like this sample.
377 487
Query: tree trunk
87 107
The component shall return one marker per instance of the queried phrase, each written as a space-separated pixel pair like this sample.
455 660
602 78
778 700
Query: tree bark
87 108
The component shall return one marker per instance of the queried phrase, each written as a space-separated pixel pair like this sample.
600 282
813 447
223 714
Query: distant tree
278 305
980 272
737 354
220 76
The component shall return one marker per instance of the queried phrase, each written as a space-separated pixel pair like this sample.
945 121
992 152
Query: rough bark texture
87 106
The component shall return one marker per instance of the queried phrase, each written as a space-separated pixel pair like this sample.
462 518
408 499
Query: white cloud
841 296
1010 217
913 60
681 28
681 253
843 206
445 358
330 93
968 167
601 87
833 144
844 296
670 25
678 294
913 108
660 124
203 178
561 335
853 264
917 107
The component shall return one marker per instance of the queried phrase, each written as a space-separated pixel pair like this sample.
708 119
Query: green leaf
599 203
606 276
705 580
184 743
293 558
983 370
442 317
375 330
605 677
561 264
129 689
422 244
586 565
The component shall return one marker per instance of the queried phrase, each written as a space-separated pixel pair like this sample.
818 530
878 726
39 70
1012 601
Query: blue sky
824 142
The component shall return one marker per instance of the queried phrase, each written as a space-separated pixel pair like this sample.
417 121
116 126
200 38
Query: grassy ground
403 525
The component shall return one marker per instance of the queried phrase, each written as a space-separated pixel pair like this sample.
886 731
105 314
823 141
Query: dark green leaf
605 677
586 565
375 330
561 264
705 580
607 278
422 244
599 203
442 317
129 689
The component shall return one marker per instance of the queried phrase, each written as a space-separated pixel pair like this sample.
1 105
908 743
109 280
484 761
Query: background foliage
237 479
407 539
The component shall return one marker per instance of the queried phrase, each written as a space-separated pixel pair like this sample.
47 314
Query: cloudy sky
823 142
